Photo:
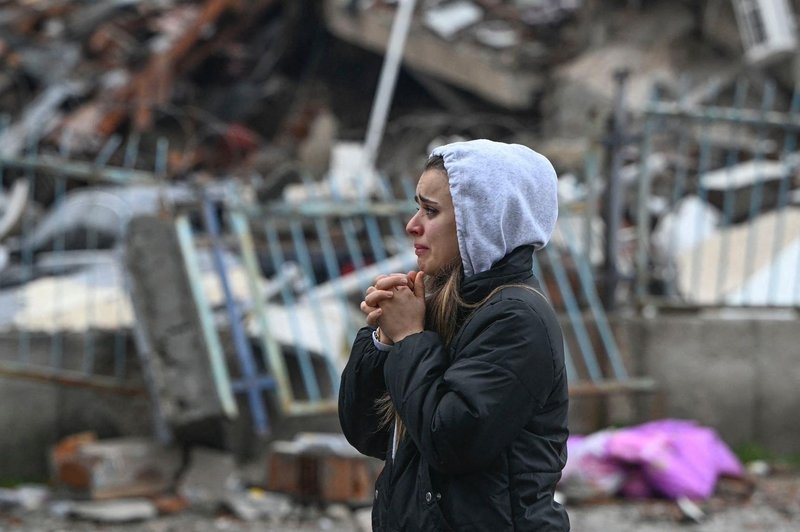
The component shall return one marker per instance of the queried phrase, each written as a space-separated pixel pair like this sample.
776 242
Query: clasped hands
396 304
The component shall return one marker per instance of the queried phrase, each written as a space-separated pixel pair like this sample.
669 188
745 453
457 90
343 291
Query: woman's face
433 227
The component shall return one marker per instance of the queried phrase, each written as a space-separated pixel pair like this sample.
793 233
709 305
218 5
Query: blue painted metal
56 342
789 147
316 305
572 374
732 159
303 356
251 383
273 357
573 310
768 102
598 314
703 167
765 125
643 230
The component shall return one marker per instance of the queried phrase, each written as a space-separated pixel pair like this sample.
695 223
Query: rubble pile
127 480
72 74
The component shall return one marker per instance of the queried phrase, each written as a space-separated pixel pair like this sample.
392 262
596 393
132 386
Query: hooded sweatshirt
493 180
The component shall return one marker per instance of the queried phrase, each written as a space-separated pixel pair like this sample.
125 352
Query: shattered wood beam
200 53
154 85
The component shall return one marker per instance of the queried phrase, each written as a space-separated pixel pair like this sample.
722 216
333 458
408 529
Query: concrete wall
34 414
735 370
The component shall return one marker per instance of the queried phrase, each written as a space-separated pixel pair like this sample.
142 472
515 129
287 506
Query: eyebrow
425 200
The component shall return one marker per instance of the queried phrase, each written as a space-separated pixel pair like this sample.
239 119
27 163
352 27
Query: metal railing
276 286
65 312
725 172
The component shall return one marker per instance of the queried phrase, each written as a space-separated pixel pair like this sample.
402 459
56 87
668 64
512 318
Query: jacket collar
513 268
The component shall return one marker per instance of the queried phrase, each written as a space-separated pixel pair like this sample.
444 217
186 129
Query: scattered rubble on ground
315 482
209 493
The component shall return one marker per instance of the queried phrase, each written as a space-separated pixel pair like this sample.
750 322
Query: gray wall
738 373
735 370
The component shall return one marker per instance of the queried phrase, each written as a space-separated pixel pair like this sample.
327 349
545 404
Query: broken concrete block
118 511
170 335
211 477
121 467
470 66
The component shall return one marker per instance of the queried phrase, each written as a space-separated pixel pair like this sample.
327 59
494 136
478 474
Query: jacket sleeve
463 415
361 385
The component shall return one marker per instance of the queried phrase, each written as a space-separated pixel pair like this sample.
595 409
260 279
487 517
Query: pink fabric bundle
669 458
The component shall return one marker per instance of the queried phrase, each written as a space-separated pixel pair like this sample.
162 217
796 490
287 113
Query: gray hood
505 196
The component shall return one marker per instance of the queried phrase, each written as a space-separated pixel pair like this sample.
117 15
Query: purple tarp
669 458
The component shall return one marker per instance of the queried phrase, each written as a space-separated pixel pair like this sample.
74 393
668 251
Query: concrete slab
736 371
707 369
488 73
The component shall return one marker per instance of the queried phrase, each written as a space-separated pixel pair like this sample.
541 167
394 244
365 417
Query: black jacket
486 420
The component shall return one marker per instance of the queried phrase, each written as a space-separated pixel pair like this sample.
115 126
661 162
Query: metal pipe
388 79
775 119
273 357
303 357
614 198
252 382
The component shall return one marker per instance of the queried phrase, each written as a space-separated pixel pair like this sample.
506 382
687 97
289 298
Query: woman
461 388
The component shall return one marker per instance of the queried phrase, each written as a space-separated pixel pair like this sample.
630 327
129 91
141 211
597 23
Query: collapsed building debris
113 468
76 73
171 334
123 480
317 470
506 76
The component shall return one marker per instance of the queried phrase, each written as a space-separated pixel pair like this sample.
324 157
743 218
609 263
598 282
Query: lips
419 250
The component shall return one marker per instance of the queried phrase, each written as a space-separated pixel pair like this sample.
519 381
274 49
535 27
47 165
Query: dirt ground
773 505
769 504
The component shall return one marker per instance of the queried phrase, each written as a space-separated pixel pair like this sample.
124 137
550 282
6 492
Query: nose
414 227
